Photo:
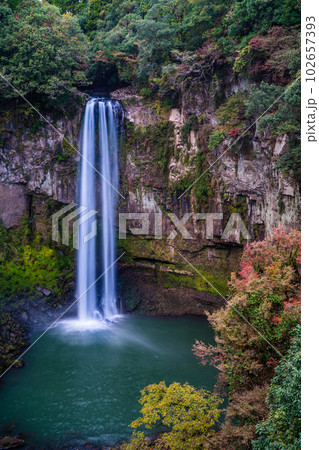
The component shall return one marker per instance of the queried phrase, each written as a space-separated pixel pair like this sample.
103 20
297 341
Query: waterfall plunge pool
79 386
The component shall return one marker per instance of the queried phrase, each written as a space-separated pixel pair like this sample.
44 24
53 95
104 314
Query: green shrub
233 110
215 139
282 108
290 161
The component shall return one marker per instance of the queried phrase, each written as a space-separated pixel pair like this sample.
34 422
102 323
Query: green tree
41 50
250 16
74 6
261 98
188 413
142 35
282 428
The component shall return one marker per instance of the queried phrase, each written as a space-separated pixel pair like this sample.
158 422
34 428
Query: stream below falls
79 386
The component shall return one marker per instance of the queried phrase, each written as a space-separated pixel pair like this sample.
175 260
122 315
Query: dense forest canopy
148 42
161 47
41 49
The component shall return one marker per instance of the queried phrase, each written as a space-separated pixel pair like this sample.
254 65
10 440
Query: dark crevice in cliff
30 212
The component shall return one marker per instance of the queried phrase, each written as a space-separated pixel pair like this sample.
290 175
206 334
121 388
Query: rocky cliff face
163 154
37 162
38 167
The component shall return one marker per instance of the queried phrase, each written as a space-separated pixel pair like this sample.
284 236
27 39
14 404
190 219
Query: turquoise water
80 386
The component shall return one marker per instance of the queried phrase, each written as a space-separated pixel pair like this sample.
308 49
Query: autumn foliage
186 414
252 331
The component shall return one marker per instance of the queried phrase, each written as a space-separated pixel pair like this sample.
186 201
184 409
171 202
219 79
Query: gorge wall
37 164
163 153
38 167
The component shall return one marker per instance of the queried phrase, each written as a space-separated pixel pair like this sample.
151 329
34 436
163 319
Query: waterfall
86 263
98 189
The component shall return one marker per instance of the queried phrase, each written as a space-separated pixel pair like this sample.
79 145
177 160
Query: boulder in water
10 442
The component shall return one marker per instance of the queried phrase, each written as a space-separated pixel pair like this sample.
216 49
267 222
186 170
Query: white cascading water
86 259
106 112
109 182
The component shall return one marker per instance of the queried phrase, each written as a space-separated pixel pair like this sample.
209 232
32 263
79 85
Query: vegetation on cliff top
151 43
42 52
163 48
145 39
